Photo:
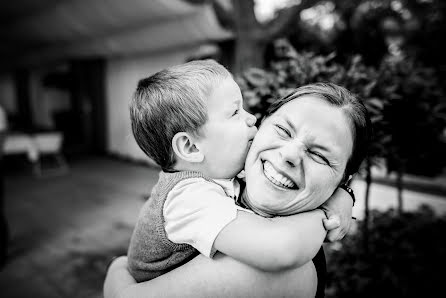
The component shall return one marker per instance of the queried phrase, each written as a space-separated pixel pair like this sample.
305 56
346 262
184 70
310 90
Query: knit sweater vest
150 252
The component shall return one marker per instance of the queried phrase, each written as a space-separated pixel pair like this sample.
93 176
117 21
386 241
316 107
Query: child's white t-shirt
196 210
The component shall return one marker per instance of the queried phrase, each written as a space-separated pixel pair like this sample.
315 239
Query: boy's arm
338 209
272 244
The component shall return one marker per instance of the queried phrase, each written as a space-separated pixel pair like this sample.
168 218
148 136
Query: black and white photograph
222 148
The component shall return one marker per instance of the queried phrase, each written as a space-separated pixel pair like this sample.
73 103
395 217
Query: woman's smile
277 178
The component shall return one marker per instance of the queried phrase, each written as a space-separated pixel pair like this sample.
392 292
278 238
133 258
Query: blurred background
73 178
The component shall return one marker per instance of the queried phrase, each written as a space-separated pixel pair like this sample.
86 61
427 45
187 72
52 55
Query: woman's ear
185 148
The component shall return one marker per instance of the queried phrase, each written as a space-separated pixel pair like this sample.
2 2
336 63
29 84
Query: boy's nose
250 119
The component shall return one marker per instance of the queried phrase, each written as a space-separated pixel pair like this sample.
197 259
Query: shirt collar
230 186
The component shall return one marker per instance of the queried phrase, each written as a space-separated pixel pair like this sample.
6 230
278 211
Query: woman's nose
250 119
291 153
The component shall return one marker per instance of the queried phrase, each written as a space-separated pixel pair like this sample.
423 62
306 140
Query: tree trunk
399 185
250 37
368 180
249 52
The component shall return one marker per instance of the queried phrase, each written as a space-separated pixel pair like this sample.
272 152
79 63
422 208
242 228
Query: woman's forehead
310 107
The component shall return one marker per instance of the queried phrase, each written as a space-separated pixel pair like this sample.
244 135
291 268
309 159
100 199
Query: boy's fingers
331 223
335 235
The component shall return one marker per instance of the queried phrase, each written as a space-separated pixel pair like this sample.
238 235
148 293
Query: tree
414 119
251 36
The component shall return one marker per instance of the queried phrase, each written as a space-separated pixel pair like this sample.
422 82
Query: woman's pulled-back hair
354 109
170 101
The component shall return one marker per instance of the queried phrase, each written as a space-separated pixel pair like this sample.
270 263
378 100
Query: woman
311 140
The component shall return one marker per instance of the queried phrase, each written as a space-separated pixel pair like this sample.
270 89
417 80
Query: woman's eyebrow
322 147
289 123
334 151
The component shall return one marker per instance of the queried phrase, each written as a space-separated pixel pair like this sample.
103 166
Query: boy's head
183 113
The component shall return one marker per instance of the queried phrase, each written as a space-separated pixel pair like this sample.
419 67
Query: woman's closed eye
282 131
236 112
318 157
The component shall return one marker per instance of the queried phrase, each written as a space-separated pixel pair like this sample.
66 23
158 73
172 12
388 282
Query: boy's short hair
171 101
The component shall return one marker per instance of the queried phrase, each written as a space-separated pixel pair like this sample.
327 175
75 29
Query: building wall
7 94
43 101
46 101
122 75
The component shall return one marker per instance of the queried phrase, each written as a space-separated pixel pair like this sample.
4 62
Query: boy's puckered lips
252 133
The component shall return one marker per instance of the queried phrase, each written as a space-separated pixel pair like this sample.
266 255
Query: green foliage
414 117
261 87
406 257
405 102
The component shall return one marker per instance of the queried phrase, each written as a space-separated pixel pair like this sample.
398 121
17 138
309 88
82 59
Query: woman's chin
266 200
266 206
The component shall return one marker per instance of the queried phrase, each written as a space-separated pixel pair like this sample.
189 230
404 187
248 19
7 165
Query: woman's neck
248 204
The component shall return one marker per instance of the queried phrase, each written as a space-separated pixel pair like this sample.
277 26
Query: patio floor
65 229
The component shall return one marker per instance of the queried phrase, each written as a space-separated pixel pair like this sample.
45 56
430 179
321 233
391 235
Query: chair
50 144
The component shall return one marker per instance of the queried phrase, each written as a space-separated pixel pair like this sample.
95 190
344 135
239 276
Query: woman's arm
118 278
220 277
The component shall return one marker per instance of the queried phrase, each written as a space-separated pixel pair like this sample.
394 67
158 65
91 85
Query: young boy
190 120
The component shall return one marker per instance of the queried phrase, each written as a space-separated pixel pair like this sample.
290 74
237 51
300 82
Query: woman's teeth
275 177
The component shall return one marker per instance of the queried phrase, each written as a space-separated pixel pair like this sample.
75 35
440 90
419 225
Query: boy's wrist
322 212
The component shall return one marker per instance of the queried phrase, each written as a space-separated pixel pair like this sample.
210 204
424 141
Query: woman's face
298 157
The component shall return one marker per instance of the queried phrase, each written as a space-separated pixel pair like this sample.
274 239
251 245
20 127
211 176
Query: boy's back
151 253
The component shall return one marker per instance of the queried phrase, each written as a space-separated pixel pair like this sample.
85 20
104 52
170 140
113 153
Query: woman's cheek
256 195
322 193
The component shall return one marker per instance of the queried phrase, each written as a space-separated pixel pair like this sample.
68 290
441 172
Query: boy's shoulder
169 180
197 181
177 176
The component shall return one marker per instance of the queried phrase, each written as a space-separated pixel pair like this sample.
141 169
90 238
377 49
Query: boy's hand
332 222
338 209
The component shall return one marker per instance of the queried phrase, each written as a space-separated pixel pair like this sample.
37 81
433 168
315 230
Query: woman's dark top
321 271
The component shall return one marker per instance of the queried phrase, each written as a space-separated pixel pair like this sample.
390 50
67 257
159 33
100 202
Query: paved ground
65 229
383 197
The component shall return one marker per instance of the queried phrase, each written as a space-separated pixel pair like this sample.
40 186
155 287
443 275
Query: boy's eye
283 131
319 158
236 112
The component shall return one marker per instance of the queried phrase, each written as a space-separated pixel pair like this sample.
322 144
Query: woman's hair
171 101
354 109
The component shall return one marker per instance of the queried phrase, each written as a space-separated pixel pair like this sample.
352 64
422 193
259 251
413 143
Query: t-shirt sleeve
196 211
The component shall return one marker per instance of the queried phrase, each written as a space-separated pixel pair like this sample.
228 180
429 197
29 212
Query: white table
36 145
17 143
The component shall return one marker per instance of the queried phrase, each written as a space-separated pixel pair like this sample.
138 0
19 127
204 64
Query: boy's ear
185 148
